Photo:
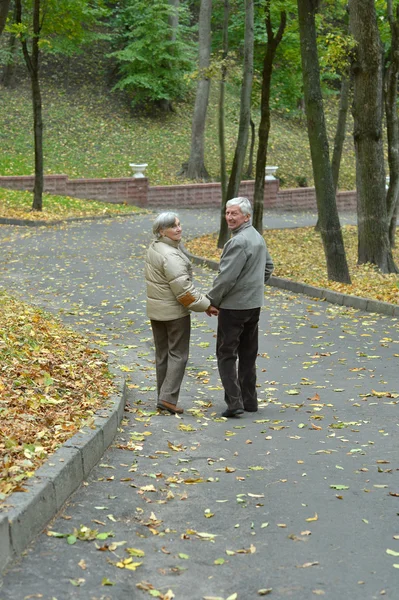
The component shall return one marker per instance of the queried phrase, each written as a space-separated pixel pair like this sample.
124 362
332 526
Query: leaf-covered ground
298 254
51 383
17 205
180 504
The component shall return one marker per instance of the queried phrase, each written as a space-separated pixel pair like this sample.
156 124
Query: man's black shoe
235 412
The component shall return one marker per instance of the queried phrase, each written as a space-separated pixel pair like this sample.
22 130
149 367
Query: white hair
243 204
163 221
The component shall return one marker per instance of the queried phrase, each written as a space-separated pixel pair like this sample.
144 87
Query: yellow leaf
315 518
192 481
148 488
133 566
135 552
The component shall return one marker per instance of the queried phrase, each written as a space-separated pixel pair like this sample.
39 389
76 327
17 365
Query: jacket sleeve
178 276
269 267
231 264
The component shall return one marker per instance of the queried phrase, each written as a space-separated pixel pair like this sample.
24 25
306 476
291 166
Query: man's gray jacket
245 266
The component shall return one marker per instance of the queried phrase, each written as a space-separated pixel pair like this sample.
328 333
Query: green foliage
66 24
153 57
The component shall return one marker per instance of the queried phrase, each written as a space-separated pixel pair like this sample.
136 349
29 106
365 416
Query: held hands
212 311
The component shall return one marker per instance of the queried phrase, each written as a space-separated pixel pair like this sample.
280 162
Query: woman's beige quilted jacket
170 291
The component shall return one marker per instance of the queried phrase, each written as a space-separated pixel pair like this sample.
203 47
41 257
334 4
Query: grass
17 205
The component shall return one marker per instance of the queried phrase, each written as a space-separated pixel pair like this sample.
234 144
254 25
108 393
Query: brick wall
137 191
304 199
129 190
203 195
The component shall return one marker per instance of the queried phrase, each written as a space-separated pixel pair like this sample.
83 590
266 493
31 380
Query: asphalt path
296 501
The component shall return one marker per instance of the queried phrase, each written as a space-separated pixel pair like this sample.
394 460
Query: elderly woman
171 296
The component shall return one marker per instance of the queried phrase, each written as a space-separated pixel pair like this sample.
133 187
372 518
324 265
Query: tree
244 121
4 6
264 126
373 240
58 26
391 113
195 167
330 229
341 129
153 51
222 93
32 64
9 67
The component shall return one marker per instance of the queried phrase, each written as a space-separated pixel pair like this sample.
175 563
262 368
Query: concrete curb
366 304
24 515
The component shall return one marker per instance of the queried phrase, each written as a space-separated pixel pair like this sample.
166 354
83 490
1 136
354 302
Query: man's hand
212 311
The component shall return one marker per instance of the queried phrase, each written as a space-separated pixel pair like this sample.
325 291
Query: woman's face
174 232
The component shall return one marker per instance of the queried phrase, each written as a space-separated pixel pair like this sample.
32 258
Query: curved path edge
357 302
24 515
39 223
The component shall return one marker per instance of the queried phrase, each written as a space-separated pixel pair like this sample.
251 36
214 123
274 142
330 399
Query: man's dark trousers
236 351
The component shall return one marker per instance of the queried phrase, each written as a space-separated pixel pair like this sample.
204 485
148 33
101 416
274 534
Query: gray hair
243 204
163 221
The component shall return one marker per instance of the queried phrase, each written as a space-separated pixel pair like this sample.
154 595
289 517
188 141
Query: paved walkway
300 498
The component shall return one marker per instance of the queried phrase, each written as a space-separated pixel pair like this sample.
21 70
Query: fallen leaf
315 518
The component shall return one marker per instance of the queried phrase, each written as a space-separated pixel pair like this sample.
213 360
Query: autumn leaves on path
295 501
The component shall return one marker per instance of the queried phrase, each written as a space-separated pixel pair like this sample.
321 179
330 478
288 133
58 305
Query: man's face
235 218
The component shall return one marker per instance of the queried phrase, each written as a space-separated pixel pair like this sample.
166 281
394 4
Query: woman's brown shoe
172 408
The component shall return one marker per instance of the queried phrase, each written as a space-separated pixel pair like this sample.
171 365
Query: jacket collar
242 227
166 240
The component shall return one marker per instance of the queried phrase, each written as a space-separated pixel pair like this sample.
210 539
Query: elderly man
237 296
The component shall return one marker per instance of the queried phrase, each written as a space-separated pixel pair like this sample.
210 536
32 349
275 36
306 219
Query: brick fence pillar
137 191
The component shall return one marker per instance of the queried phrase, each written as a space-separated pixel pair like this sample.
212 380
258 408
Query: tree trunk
264 126
373 227
245 116
341 129
4 6
32 64
9 69
249 169
391 114
330 229
173 21
174 18
339 134
392 226
195 167
222 93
